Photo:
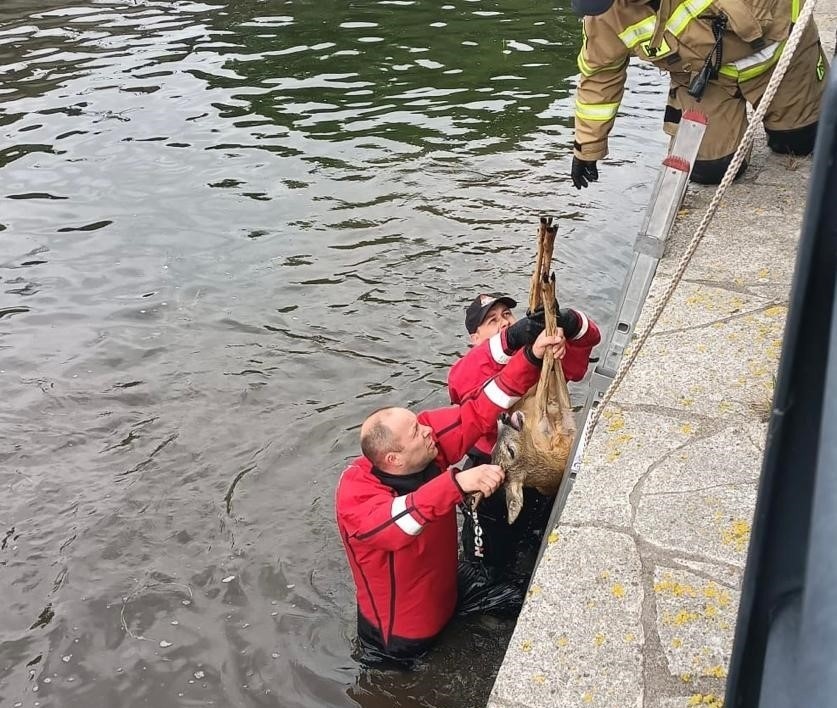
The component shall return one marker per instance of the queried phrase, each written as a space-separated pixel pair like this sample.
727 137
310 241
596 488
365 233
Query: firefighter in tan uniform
719 55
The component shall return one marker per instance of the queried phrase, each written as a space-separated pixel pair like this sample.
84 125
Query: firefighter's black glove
570 321
583 172
524 331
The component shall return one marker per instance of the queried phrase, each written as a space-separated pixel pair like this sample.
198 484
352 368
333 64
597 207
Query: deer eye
510 450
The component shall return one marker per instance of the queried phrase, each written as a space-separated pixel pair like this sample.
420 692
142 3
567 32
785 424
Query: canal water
229 230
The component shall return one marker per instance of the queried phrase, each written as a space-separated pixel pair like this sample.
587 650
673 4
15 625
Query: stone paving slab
635 599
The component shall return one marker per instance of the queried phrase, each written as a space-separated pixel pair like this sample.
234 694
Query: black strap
712 64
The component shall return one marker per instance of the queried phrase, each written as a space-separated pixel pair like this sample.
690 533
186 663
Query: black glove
569 321
584 171
523 332
566 319
538 316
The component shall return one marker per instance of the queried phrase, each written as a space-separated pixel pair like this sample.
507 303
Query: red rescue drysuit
399 531
484 361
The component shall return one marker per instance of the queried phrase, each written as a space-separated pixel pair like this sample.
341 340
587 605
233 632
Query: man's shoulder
357 472
358 467
474 357
457 366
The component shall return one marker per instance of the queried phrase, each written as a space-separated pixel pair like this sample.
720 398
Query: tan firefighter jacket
677 38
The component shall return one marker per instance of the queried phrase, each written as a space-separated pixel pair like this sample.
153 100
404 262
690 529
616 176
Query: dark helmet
591 7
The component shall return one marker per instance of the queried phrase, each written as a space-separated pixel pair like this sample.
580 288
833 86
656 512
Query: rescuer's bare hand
482 478
556 345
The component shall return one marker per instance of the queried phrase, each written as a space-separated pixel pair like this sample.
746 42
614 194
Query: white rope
732 170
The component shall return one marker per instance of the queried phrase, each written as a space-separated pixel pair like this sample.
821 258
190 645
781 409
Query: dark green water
227 232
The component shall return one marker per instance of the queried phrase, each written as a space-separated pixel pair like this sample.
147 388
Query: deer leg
534 288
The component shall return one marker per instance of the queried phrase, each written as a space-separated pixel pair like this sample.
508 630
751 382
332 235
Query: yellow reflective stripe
638 32
794 10
684 14
583 66
596 111
753 66
587 70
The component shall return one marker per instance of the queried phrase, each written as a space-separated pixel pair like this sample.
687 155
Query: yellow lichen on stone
681 618
677 642
686 678
562 641
715 592
737 535
686 401
618 590
668 585
604 576
710 700
717 671
774 349
687 429
616 422
724 407
701 298
534 590
623 439
539 679
587 697
629 637
775 311
526 645
758 370
553 537
599 639
763 273
709 611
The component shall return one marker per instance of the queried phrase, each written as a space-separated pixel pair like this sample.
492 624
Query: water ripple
230 231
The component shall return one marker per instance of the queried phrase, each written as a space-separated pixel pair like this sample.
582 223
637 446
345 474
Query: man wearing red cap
496 334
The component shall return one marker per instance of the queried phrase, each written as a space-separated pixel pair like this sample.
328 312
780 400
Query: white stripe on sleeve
585 325
495 344
498 396
405 522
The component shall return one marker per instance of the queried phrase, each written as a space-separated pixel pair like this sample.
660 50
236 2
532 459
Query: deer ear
516 420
